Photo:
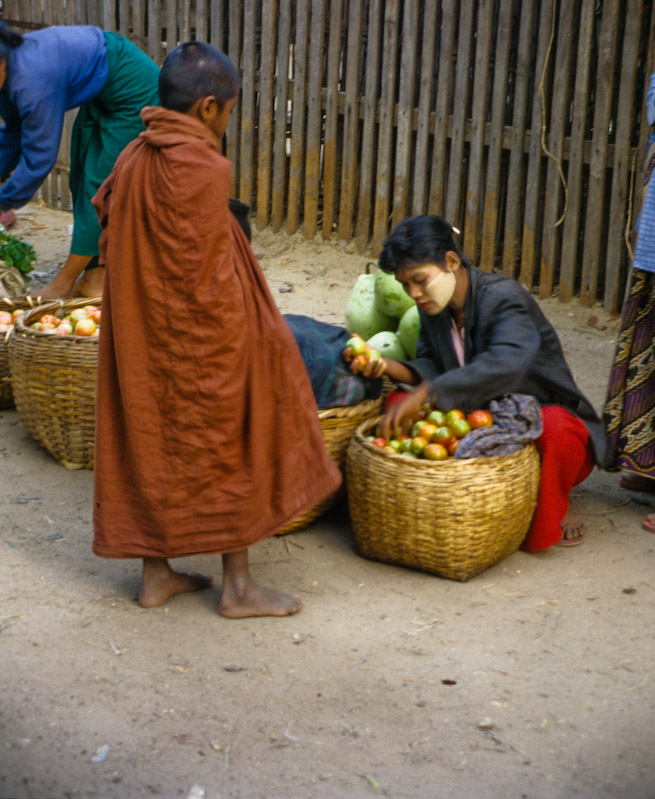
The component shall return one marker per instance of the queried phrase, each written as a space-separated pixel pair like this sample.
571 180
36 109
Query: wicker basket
53 380
10 304
453 518
338 426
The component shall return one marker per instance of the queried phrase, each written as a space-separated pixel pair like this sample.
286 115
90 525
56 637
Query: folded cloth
517 421
321 346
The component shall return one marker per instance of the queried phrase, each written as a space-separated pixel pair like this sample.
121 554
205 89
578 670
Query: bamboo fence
521 121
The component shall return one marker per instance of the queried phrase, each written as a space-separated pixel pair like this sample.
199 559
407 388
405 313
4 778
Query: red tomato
379 442
443 435
49 319
453 415
437 418
460 428
435 452
417 427
427 431
480 418
452 447
418 445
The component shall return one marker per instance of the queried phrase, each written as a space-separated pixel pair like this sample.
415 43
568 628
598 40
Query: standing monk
201 387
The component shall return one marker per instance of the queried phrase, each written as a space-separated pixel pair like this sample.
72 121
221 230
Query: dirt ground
535 679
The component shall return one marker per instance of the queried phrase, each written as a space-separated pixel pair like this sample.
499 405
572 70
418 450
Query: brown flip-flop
632 481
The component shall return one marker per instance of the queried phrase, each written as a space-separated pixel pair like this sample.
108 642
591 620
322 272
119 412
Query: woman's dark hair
194 70
9 40
418 240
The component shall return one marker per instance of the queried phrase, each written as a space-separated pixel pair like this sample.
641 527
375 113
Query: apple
357 345
379 442
49 319
417 445
416 427
5 318
77 314
85 327
436 417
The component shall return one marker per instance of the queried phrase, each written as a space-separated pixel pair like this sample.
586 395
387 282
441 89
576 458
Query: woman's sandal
637 482
649 523
573 521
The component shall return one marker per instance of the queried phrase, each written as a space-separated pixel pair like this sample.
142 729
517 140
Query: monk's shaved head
194 70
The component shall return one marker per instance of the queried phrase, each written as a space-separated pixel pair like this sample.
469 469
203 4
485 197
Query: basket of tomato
53 362
10 309
338 426
412 503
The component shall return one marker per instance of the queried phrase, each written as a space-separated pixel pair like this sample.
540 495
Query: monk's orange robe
207 434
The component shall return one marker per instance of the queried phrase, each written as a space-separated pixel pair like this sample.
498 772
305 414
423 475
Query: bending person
483 336
199 377
42 75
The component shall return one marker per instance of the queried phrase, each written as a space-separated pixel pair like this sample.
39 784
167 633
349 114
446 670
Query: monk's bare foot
255 600
160 582
90 283
573 531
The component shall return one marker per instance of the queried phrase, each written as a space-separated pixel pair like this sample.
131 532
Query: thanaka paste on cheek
441 289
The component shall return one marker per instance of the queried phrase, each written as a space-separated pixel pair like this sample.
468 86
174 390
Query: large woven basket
452 518
338 426
10 304
53 379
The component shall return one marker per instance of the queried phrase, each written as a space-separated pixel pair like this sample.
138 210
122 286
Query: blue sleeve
43 109
650 101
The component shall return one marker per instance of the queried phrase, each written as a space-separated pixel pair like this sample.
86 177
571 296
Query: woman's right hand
8 218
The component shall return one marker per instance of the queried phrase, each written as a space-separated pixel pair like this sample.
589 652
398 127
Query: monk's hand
397 416
8 218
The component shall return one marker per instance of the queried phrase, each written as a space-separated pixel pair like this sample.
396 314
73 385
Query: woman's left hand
399 414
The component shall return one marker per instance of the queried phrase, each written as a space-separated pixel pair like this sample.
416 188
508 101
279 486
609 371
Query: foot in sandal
632 481
573 531
649 523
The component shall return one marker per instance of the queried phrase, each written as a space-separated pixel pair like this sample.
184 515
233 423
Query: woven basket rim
21 325
348 410
421 463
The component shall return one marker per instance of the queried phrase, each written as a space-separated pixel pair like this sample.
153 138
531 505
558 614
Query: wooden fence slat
535 157
139 23
438 186
265 125
298 116
551 235
216 28
124 9
350 138
171 25
314 119
234 54
281 94
421 169
246 164
367 165
594 219
514 202
616 252
472 211
405 114
386 114
334 50
570 233
201 22
460 113
154 31
498 104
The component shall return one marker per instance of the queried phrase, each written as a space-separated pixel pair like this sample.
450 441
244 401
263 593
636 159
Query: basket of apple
413 503
10 309
53 362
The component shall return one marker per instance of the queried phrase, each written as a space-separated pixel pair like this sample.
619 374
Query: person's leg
566 460
159 582
67 282
241 596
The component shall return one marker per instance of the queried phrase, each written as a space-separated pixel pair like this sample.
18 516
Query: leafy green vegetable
16 253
